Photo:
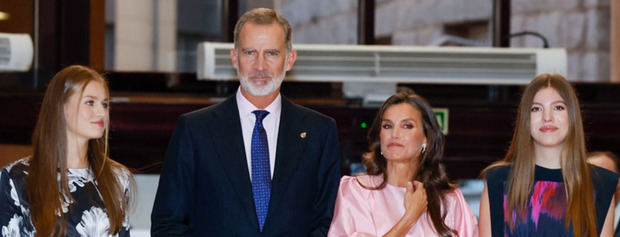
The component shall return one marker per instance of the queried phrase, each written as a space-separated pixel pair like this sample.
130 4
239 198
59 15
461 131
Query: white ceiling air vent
15 52
398 64
406 64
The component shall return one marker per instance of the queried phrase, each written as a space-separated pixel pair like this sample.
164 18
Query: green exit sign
442 117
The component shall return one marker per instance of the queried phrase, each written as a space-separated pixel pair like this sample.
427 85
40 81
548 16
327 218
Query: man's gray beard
267 88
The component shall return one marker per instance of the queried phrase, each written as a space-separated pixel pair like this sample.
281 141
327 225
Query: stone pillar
166 28
615 41
133 36
145 35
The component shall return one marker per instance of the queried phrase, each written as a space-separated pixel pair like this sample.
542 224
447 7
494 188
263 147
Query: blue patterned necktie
261 176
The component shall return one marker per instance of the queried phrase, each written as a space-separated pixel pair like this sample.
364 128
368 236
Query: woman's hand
415 201
415 206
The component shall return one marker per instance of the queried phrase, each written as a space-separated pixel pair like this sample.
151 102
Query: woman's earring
423 147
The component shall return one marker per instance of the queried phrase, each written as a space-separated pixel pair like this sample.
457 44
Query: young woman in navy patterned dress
544 186
69 186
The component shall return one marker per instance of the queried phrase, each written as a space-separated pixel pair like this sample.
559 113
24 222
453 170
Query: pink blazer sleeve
352 215
459 216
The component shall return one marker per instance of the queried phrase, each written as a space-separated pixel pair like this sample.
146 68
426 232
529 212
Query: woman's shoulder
458 213
349 182
602 174
454 197
498 172
357 191
122 173
603 178
360 185
455 193
17 169
361 181
119 169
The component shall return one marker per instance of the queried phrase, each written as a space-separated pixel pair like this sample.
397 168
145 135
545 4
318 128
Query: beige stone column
145 35
615 41
133 35
166 36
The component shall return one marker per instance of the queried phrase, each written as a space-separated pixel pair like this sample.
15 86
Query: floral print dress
85 215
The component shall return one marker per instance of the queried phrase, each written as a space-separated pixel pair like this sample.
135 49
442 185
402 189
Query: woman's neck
76 153
548 157
400 172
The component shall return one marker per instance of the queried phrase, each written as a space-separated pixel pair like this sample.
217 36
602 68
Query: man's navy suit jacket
205 188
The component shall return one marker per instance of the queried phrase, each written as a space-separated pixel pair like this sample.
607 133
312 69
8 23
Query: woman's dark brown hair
430 172
43 191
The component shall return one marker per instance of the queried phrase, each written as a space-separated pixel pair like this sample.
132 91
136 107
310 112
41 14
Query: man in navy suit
227 174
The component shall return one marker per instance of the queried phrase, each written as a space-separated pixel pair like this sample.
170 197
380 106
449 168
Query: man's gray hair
264 16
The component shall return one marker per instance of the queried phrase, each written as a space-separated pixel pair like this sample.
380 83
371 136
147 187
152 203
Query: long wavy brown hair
430 172
49 140
575 170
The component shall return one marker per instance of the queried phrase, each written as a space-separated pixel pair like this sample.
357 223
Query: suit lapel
232 154
288 152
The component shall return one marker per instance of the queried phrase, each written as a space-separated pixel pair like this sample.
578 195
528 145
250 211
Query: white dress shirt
271 123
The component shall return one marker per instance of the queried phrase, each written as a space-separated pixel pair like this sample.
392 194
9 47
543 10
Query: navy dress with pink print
547 205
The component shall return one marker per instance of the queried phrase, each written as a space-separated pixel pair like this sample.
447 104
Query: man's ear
292 56
233 58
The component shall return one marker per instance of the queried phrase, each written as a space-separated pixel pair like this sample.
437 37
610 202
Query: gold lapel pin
302 135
